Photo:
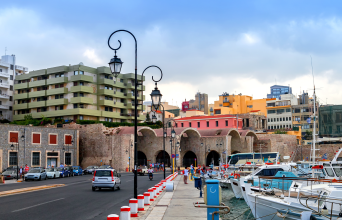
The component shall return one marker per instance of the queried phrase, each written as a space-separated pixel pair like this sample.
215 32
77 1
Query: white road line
37 205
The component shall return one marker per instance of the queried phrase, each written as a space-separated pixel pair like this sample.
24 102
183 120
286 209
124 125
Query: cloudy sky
207 46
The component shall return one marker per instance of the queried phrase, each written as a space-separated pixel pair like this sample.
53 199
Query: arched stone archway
235 143
189 158
142 159
213 157
160 158
189 140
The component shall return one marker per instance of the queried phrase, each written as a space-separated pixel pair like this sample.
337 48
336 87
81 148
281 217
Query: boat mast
314 129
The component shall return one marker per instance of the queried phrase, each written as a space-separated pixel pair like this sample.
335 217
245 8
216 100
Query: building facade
8 72
279 112
77 92
330 121
238 104
278 90
38 146
302 115
199 103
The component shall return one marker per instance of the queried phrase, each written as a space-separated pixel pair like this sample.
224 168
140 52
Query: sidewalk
178 204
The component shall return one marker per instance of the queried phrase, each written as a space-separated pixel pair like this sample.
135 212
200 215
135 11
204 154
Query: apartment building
302 115
278 90
330 121
8 71
77 92
238 104
279 112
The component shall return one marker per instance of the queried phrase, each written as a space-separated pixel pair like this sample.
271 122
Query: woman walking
186 173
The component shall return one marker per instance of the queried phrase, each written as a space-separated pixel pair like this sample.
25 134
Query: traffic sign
195 159
177 156
173 156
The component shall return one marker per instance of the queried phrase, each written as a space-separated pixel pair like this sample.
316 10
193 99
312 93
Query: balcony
58 69
106 82
82 78
37 94
130 76
57 91
119 105
23 77
37 73
60 113
4 96
2 74
56 80
4 85
37 104
82 100
86 89
37 83
4 107
21 96
21 86
107 92
20 106
107 103
53 102
110 114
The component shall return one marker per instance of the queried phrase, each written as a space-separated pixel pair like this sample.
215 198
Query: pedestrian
186 173
26 168
61 165
21 171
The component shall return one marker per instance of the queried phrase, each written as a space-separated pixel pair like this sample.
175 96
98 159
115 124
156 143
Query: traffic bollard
133 204
125 213
147 196
157 190
151 194
154 192
141 203
112 217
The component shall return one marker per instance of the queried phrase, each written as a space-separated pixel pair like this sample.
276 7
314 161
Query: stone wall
305 151
26 147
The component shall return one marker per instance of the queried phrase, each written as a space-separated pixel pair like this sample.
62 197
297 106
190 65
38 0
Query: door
51 162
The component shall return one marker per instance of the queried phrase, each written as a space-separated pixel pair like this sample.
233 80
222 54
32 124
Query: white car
52 173
106 178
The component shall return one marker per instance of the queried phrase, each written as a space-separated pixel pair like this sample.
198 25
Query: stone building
38 146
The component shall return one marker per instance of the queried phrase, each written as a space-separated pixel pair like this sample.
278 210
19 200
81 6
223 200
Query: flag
325 156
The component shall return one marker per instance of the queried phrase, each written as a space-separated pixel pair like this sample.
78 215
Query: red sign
173 156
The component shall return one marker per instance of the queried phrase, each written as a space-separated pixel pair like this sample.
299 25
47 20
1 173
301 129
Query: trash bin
198 182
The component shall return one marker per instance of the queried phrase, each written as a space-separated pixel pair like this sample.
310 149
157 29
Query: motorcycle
150 176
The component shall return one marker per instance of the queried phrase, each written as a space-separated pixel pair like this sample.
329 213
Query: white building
8 71
279 113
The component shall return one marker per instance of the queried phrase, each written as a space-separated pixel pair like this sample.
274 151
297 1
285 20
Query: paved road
74 201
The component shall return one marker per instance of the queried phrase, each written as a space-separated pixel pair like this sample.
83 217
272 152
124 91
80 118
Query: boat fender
280 215
236 176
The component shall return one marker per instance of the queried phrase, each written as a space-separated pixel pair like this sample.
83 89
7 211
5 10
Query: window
176 125
53 139
11 77
81 94
226 123
11 67
75 105
207 123
78 73
56 96
271 111
277 119
268 120
182 124
13 137
217 112
280 119
75 94
198 124
11 88
81 83
35 158
61 85
67 139
35 138
67 159
56 86
10 108
13 158
81 105
269 172
216 123
189 124
75 83
81 117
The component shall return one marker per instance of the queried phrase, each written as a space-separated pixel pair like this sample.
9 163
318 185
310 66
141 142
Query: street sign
308 120
195 159
173 156
177 156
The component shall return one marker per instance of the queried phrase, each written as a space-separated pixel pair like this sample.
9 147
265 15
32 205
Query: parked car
106 178
52 173
70 170
77 170
36 174
106 167
63 172
141 170
10 168
9 174
90 169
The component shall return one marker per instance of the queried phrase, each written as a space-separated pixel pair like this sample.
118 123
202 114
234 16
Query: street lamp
115 66
154 118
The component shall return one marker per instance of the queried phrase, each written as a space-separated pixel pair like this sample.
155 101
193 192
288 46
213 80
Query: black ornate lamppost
115 65
129 155
15 141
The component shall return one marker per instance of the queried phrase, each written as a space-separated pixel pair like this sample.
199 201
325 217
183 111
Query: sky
201 46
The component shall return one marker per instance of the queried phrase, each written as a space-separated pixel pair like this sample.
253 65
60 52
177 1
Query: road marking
129 181
37 205
78 182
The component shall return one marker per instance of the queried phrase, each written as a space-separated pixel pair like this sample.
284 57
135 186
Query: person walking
21 172
26 169
186 174
61 165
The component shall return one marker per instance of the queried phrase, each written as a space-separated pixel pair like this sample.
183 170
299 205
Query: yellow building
238 104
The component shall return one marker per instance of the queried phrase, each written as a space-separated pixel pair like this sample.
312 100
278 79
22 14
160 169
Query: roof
159 112
255 111
206 117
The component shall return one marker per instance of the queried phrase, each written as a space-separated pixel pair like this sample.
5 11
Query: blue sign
177 156
172 155
308 120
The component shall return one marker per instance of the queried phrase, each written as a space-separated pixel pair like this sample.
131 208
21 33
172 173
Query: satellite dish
81 63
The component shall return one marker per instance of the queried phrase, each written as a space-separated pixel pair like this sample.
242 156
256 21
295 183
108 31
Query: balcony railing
4 96
4 107
2 74
4 84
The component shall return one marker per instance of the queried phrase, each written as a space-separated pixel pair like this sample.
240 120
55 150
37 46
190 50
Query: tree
148 119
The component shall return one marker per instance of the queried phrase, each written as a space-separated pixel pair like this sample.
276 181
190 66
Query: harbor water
237 206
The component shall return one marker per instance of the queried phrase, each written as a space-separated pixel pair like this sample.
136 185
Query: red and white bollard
147 196
112 217
154 192
151 194
133 204
157 190
125 213
164 183
141 203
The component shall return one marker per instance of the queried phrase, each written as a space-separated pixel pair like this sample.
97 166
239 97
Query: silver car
106 178
36 174
90 169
